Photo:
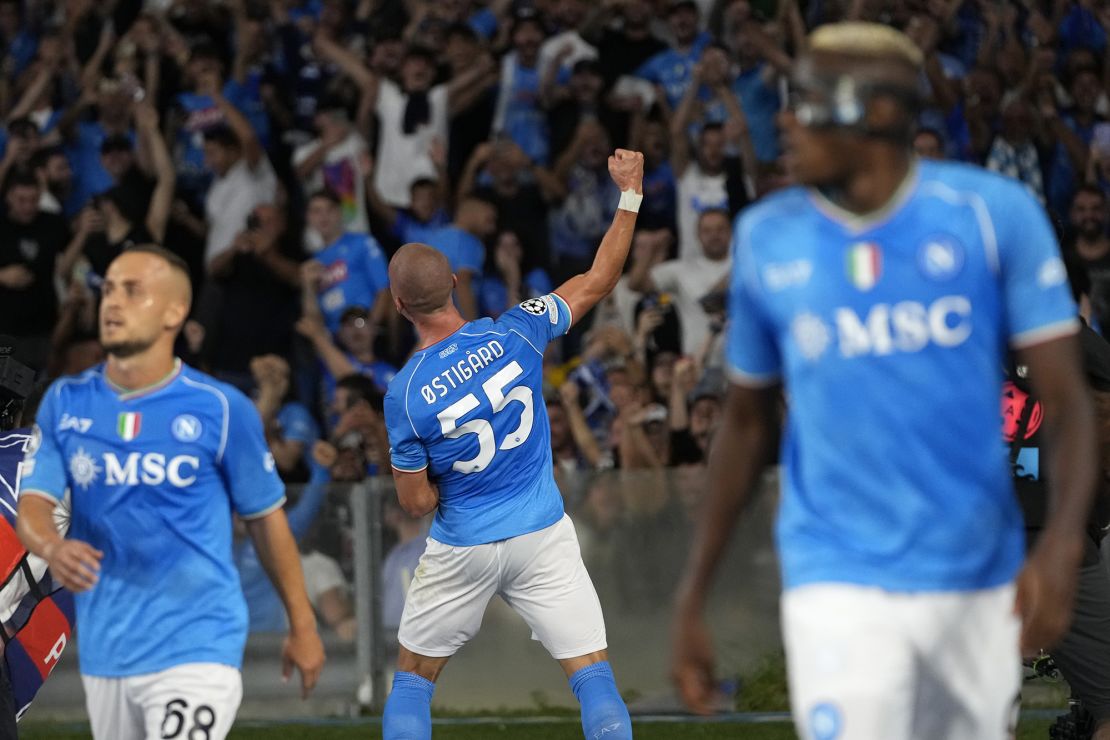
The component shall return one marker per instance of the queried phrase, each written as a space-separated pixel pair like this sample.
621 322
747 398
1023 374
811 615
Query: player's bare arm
1046 586
740 452
416 492
583 292
75 564
277 551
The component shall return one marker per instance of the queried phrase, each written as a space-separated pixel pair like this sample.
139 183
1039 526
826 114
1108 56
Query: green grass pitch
1029 730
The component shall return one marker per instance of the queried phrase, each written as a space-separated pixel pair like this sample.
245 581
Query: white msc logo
151 469
186 428
908 326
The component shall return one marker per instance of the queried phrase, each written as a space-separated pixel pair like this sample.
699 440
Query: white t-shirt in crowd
403 157
697 192
342 174
550 48
231 199
321 574
687 280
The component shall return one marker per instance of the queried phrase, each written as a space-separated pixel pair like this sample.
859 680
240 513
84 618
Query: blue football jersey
355 272
890 335
470 409
155 476
463 250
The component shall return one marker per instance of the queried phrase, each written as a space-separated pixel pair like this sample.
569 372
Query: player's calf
408 710
604 715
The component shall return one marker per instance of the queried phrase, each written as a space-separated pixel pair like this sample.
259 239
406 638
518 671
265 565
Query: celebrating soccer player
883 295
158 457
470 440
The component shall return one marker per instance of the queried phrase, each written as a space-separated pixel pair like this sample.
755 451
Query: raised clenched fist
627 170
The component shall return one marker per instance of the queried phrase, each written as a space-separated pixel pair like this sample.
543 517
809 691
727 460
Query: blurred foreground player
469 440
883 296
37 611
158 457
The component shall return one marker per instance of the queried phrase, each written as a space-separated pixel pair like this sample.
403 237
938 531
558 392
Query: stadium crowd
286 148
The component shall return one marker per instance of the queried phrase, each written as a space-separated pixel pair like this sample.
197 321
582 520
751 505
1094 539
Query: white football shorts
869 664
540 575
193 701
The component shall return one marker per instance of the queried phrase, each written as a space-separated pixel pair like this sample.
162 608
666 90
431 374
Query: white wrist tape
630 200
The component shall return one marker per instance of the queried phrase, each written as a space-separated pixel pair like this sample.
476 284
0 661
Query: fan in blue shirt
424 215
461 243
158 457
674 68
350 270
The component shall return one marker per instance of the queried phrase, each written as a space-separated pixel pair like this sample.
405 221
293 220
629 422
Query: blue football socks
604 715
408 710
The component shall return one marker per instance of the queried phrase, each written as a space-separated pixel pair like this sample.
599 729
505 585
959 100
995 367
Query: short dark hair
420 52
460 31
326 194
116 143
1089 189
45 154
22 178
678 5
354 312
362 388
710 127
126 202
526 17
586 66
1074 74
385 35
930 131
222 135
206 50
713 212
423 182
22 126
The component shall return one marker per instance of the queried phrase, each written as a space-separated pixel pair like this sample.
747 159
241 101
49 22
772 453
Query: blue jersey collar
128 395
858 223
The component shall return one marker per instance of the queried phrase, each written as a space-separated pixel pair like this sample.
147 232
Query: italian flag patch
865 265
129 425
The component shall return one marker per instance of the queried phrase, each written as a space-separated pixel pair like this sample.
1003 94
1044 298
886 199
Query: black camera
17 381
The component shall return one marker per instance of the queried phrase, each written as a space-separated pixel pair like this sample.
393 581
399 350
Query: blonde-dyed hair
866 40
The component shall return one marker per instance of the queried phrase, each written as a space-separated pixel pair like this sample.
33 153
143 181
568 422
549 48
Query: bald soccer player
470 441
158 458
884 293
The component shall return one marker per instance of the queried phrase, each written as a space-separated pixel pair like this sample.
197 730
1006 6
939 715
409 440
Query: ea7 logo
75 423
